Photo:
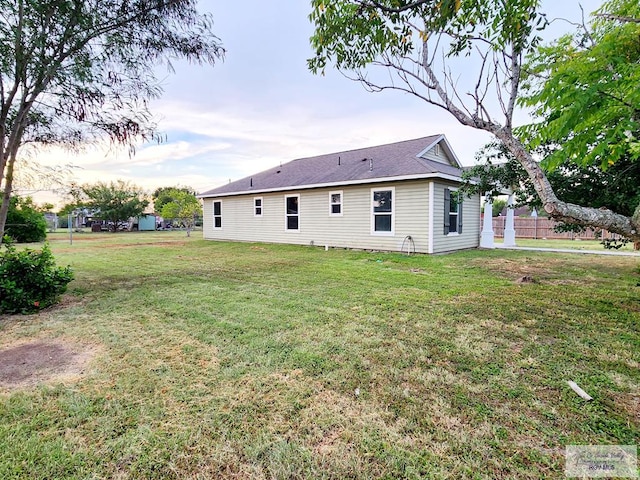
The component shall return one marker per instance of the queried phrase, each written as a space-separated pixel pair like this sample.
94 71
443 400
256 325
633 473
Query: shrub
497 206
30 280
25 223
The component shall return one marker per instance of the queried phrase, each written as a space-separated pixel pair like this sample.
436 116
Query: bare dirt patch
518 268
41 361
526 279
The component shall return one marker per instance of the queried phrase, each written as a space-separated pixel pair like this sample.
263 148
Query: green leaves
25 224
30 280
585 91
164 195
183 206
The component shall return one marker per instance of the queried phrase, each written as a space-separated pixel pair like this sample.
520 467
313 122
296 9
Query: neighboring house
399 197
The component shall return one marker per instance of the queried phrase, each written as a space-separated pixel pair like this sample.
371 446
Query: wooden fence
528 227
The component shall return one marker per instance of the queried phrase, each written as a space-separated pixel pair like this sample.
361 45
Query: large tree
183 207
74 71
430 48
115 202
163 195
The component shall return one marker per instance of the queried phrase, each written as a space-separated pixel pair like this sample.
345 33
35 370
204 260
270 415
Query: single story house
397 197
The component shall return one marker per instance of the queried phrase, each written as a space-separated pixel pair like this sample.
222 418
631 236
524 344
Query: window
335 204
382 211
257 207
217 214
292 203
452 212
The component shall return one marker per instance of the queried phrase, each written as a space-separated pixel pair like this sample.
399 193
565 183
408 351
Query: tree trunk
6 194
604 218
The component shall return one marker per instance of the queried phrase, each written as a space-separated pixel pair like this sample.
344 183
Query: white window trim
453 190
336 192
393 211
255 214
286 215
214 214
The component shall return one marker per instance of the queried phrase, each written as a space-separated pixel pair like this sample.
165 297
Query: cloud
205 149
241 141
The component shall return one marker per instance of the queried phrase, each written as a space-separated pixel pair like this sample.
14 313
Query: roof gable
440 151
410 158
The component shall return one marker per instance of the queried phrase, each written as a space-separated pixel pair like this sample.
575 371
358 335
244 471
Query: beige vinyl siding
470 236
442 157
352 229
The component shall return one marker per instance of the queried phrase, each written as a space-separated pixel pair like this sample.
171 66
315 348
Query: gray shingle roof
342 168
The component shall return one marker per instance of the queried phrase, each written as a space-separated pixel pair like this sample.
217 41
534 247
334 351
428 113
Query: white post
486 238
509 230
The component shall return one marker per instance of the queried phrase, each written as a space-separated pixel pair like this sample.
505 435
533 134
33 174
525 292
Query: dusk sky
261 106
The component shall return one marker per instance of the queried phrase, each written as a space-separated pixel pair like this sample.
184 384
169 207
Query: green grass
569 244
235 360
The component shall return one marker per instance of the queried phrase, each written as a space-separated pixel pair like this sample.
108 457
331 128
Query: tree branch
384 8
617 18
516 72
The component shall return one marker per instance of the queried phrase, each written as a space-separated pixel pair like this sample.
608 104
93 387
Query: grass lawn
569 244
236 360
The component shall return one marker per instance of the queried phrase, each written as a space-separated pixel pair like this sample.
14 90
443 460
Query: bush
497 206
30 280
25 224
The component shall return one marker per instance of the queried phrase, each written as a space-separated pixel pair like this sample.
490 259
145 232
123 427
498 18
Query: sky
261 106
